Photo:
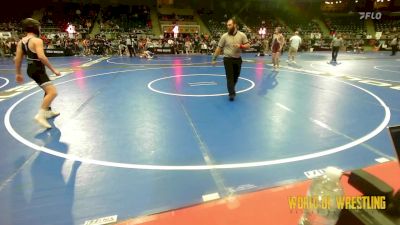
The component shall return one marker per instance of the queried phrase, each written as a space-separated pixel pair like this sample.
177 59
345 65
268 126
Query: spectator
295 42
394 44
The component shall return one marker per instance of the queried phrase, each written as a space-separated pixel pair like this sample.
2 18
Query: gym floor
137 137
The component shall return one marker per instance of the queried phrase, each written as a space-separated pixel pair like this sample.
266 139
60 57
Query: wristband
241 46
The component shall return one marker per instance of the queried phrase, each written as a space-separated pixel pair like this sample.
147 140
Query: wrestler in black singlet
36 69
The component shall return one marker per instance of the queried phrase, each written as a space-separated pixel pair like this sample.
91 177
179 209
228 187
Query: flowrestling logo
372 15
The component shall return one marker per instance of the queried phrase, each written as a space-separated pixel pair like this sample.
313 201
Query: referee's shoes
232 97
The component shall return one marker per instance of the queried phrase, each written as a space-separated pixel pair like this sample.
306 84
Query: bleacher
254 23
349 26
216 25
125 18
118 20
387 24
304 26
175 17
10 19
10 25
57 17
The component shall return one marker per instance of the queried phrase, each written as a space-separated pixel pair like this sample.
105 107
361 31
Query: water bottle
324 190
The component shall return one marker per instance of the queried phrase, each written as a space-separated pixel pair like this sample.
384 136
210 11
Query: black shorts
37 72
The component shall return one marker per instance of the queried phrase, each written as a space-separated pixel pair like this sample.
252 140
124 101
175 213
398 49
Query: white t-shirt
295 41
394 41
175 29
128 41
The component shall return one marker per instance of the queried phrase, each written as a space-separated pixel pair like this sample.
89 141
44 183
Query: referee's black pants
394 49
131 51
232 71
335 51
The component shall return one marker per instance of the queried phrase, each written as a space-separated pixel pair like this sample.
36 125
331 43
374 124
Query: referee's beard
232 31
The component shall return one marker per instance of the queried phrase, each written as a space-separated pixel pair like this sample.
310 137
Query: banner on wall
5 35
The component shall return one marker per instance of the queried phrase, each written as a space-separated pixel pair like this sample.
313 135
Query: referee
232 44
336 44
